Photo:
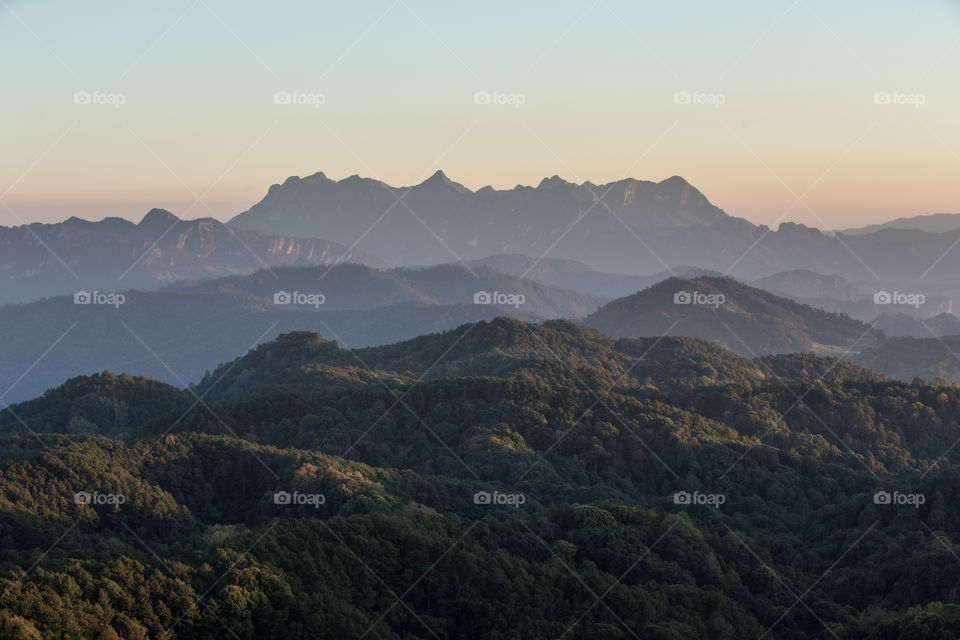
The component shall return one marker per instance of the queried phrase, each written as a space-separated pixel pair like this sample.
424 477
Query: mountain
806 284
934 223
41 260
503 479
630 226
744 319
577 276
907 358
439 212
903 325
177 334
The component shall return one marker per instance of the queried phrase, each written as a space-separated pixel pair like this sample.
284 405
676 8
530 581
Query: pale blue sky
597 80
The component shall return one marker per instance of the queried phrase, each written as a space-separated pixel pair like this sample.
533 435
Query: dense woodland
596 433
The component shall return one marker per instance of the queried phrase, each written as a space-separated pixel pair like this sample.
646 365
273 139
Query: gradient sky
597 79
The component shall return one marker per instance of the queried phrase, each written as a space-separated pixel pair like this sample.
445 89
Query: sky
833 114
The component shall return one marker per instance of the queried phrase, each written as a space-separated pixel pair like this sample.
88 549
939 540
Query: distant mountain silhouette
191 327
744 319
903 325
115 254
934 223
630 226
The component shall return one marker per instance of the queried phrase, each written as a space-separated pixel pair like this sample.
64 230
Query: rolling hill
530 470
744 319
182 331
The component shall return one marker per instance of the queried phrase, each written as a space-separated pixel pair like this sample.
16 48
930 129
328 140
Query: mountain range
182 331
934 223
528 480
178 333
40 260
630 226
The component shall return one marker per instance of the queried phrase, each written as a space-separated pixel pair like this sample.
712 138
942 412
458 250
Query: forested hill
745 319
500 480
